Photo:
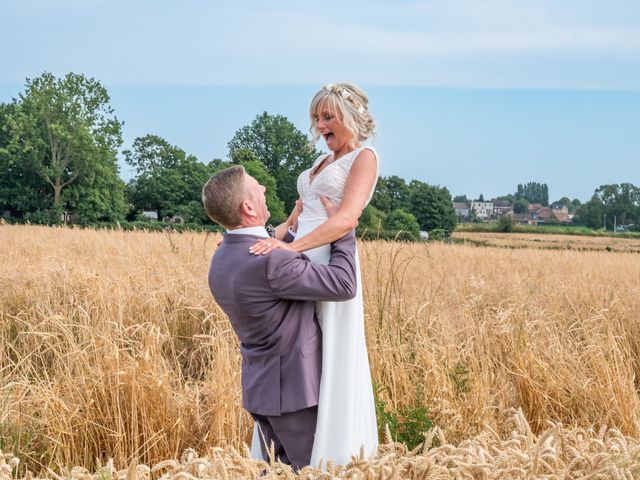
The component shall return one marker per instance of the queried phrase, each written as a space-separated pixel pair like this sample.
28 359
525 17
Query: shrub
506 223
437 234
407 425
401 220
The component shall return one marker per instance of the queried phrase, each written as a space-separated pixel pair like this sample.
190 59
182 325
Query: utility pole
615 221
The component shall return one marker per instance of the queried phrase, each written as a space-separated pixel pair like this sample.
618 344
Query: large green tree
533 192
612 203
432 206
22 189
391 193
281 147
591 213
168 180
65 131
521 206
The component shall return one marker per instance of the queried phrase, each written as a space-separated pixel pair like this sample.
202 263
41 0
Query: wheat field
550 241
116 361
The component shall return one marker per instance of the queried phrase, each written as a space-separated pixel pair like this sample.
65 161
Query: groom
269 300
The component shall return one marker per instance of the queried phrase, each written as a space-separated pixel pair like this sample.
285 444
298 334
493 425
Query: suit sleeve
288 237
293 276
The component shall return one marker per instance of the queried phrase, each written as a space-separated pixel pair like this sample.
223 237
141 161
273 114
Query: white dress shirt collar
257 231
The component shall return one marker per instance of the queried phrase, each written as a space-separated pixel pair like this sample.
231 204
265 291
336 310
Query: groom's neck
248 224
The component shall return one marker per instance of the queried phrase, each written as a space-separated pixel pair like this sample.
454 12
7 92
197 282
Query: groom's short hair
223 195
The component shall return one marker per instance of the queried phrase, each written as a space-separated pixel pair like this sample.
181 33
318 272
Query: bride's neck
344 150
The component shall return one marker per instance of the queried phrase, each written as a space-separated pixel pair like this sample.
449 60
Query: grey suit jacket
269 300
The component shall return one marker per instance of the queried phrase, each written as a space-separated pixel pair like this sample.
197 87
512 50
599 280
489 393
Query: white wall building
482 209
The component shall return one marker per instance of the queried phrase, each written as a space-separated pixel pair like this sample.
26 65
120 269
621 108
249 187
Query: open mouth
328 136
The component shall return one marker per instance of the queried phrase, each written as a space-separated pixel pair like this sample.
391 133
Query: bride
346 178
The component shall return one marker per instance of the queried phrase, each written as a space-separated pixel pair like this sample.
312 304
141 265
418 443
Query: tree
520 206
22 189
432 207
257 170
391 193
99 196
509 198
575 205
481 198
64 130
506 223
371 220
281 147
461 199
533 192
620 201
168 180
591 214
401 220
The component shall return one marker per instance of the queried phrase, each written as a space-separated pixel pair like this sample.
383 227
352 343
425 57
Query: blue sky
474 95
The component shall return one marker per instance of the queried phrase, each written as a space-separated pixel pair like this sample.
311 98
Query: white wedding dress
346 409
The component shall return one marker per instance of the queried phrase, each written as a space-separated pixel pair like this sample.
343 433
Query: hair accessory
338 90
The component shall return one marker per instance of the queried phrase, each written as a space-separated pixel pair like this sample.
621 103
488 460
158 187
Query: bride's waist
313 215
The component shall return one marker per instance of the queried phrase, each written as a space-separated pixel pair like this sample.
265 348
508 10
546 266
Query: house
483 210
534 207
552 215
562 216
150 214
68 217
560 206
524 219
174 219
462 209
543 214
501 207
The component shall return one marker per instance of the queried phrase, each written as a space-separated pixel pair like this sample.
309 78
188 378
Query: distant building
150 214
501 207
483 210
462 209
533 207
68 217
552 215
174 219
524 219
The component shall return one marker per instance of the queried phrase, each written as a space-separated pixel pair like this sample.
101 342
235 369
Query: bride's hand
292 221
264 246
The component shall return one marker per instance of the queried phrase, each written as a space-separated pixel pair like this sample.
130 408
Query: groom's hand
264 246
329 206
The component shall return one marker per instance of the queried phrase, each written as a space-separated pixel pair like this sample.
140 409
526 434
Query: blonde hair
352 106
223 195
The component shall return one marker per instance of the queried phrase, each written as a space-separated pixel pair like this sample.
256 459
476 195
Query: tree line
59 146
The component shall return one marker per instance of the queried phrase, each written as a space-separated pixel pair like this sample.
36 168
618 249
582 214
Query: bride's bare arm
360 181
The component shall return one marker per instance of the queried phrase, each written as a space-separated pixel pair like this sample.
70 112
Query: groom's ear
248 209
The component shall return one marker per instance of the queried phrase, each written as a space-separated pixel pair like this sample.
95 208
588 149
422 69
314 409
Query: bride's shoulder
368 151
365 154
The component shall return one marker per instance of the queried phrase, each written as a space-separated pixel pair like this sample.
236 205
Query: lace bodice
330 182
